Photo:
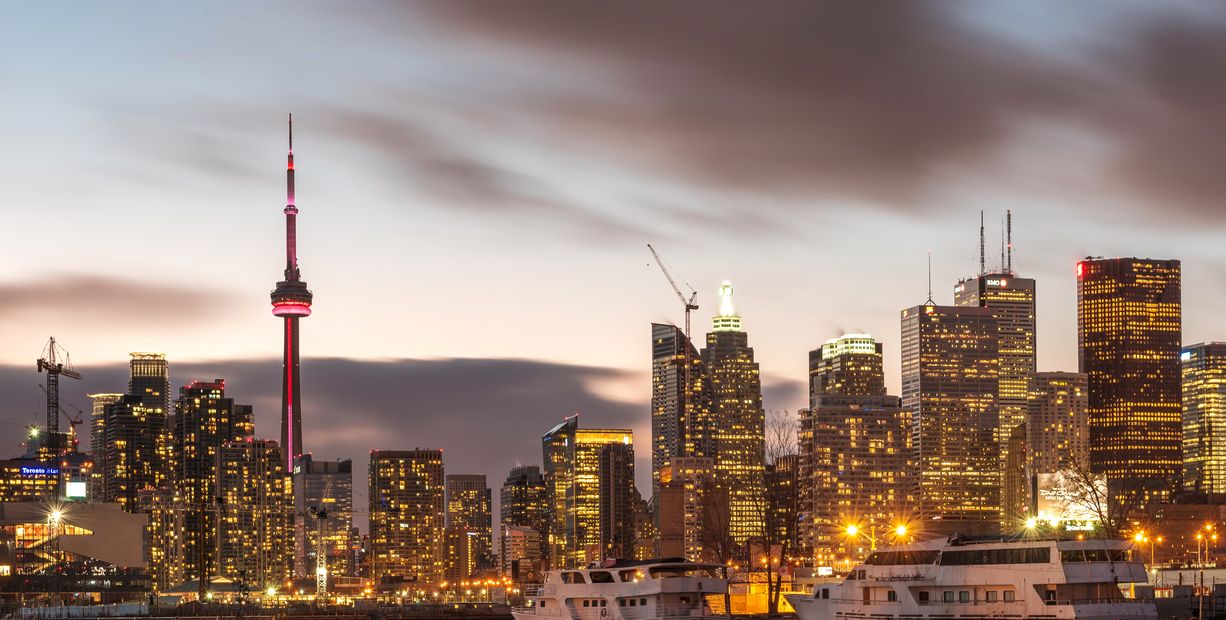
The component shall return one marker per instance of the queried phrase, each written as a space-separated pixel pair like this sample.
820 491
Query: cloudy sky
477 182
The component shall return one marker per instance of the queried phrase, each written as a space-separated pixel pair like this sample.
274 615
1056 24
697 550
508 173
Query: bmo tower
291 300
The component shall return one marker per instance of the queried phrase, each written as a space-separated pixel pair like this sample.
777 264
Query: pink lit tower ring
291 300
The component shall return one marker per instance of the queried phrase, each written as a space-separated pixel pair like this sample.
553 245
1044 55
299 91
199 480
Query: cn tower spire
291 300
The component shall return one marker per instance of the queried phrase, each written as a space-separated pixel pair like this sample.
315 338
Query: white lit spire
727 320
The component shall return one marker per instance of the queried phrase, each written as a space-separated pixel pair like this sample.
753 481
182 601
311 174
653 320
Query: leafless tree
1113 502
717 537
777 505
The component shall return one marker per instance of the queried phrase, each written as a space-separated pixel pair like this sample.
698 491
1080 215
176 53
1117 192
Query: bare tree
777 507
1112 502
717 537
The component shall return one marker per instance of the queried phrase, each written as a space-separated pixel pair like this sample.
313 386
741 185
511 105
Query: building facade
205 421
572 458
407 515
737 422
1012 301
470 506
678 402
523 501
323 487
255 516
1129 331
693 512
133 449
618 499
1204 418
855 464
949 384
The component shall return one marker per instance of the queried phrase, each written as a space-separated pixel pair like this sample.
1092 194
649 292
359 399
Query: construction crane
55 362
73 421
321 544
690 305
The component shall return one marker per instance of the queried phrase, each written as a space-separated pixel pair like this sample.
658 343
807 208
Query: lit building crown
849 343
727 320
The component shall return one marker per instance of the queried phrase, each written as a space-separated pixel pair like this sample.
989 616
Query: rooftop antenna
930 302
982 262
1009 238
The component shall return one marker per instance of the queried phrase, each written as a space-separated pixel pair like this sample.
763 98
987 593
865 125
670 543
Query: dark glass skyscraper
1011 300
524 502
950 361
470 507
1129 330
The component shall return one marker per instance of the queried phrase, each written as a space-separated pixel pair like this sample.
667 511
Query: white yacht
976 578
628 590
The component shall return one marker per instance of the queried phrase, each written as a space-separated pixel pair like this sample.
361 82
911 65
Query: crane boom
688 303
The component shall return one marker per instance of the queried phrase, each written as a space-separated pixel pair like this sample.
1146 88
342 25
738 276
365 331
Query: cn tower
291 300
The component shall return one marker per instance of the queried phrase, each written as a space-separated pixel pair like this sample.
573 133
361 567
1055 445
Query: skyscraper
291 300
572 459
469 506
737 421
205 420
133 443
677 399
255 536
1129 328
618 499
855 462
1204 418
523 501
327 486
949 384
1057 431
407 514
1011 300
97 440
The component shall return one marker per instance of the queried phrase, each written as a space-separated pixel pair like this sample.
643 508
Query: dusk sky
477 183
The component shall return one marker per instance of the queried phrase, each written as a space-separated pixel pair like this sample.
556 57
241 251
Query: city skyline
574 259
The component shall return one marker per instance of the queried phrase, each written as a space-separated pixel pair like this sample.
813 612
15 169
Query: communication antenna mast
982 261
1009 239
690 305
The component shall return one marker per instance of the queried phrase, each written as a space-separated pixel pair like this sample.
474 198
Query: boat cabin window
851 575
990 596
948 596
573 578
629 575
825 592
964 596
923 597
891 595
642 602
542 604
979 557
665 572
601 577
1095 555
900 558
1008 596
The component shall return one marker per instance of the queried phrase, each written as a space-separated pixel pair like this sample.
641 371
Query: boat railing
1099 601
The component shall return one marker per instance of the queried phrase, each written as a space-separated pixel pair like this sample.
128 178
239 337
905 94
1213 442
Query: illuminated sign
76 490
1185 356
1065 499
39 471
998 282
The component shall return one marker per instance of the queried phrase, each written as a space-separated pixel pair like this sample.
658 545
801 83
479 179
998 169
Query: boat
959 577
661 589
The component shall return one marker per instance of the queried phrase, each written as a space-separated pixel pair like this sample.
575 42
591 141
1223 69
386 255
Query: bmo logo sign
998 282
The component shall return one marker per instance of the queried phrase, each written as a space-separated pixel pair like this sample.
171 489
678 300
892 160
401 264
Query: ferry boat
979 578
670 588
